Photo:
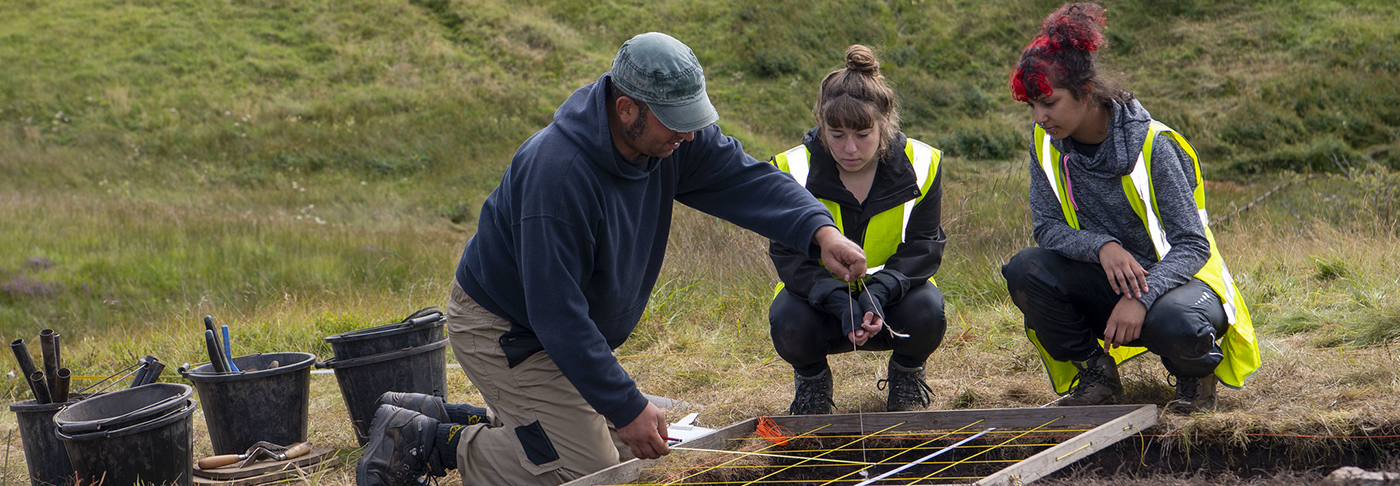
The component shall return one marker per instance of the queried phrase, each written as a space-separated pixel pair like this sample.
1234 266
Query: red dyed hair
1062 55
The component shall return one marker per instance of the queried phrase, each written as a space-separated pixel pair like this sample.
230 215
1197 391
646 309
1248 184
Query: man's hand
643 434
840 255
1124 273
869 327
1125 323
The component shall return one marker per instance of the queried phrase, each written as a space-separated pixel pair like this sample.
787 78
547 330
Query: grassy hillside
161 160
299 168
123 118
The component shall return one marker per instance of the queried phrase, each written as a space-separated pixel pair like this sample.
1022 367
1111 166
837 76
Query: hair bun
1074 26
862 60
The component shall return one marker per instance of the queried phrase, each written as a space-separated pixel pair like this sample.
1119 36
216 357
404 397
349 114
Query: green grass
171 159
300 168
171 156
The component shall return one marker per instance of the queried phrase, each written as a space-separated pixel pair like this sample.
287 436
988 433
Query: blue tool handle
228 350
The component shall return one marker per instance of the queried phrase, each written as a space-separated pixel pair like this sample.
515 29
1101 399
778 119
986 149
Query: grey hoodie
1104 211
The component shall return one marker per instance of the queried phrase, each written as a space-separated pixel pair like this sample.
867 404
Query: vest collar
894 184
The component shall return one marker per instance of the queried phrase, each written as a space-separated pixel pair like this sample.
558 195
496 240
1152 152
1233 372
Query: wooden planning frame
1106 424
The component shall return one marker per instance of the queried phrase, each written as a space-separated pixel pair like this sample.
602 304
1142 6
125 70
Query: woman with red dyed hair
1126 262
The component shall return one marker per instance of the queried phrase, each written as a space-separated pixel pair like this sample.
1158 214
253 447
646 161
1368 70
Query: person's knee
1183 336
591 461
1027 267
922 308
789 322
784 324
920 315
1184 315
796 330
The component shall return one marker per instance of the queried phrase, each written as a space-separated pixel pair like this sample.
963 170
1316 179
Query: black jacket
913 263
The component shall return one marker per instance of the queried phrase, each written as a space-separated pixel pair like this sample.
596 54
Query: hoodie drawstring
1069 187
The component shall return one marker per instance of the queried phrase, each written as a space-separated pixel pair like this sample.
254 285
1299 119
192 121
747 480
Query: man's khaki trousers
543 432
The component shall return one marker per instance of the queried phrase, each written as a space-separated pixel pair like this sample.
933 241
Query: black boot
400 450
1097 383
436 408
908 390
813 394
429 405
1193 395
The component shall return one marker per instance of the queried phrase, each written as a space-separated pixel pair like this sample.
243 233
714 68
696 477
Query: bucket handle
434 317
98 424
103 434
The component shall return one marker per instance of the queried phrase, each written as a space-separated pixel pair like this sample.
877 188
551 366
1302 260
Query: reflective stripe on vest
886 230
1239 345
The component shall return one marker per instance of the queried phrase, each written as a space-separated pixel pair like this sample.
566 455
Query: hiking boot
429 405
1193 395
1096 384
400 450
908 390
813 395
436 408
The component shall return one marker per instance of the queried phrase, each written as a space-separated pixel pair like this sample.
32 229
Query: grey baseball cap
662 72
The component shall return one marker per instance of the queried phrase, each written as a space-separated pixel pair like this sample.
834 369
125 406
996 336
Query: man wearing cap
565 256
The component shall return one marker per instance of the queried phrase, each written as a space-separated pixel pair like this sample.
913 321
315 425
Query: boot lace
1186 388
1088 376
811 395
907 388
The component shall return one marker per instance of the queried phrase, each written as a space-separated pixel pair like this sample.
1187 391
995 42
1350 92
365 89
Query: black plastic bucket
157 451
421 369
266 404
413 332
43 452
113 411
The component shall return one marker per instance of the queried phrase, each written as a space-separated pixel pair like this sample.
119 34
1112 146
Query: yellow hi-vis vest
886 230
1239 346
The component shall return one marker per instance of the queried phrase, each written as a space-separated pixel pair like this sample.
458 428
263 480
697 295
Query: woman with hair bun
1126 262
884 190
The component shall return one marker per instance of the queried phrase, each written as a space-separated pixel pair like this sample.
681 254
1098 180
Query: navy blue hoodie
570 244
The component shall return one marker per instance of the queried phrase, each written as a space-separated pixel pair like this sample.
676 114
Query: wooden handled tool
212 462
255 453
296 450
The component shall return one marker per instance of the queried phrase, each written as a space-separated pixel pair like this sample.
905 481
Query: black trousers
1068 303
805 336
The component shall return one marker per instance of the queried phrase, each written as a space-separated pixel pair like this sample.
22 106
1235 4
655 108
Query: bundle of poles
50 384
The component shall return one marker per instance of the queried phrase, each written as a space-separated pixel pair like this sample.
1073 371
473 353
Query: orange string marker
771 431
